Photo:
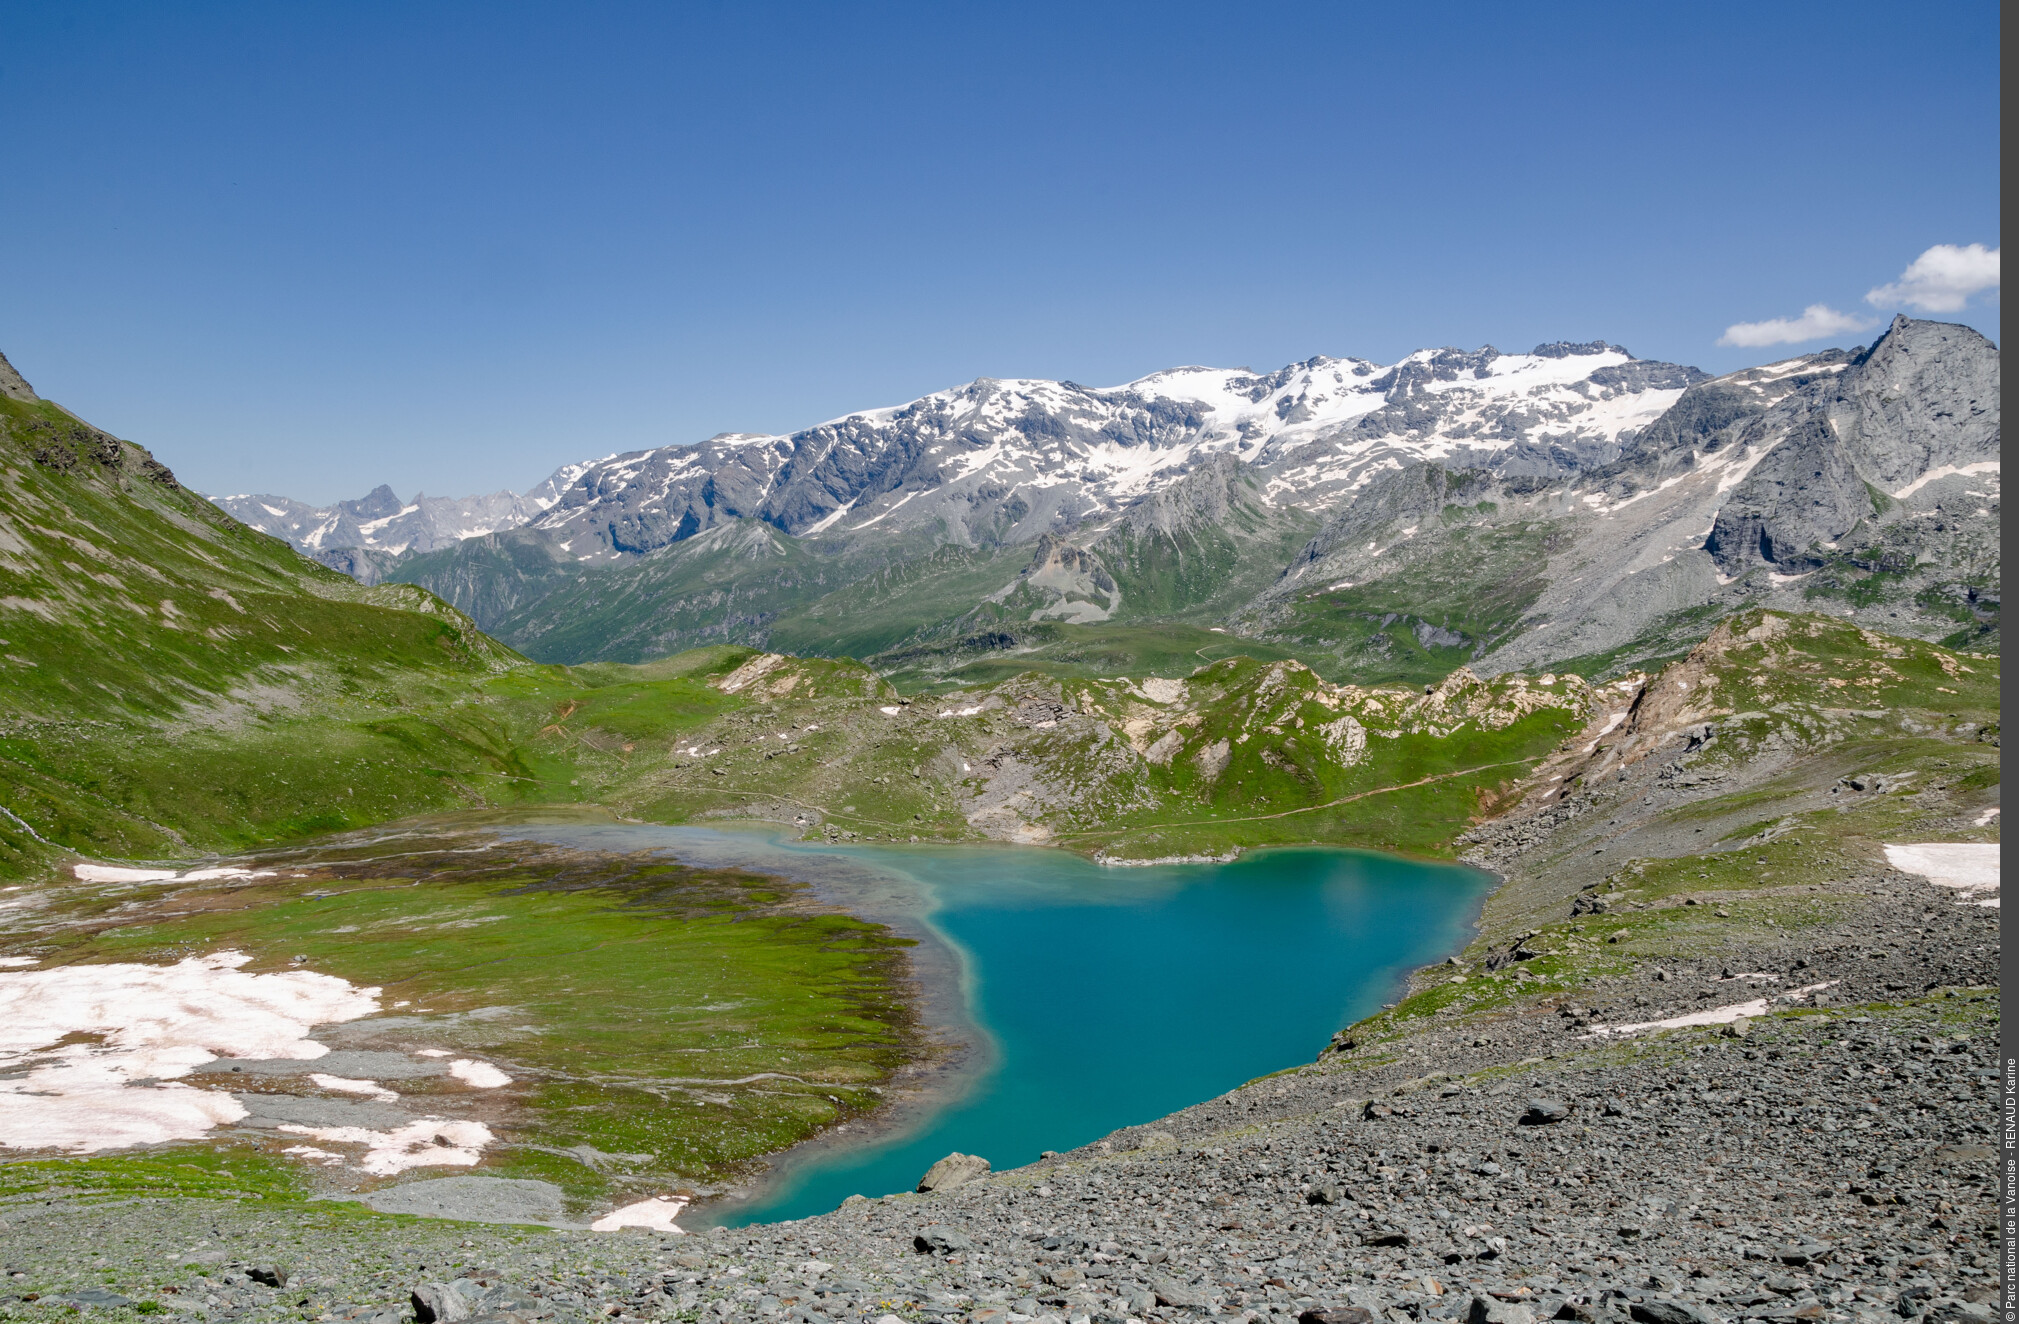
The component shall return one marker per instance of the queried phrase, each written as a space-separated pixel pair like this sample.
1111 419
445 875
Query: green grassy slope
1461 585
1830 741
1239 752
177 682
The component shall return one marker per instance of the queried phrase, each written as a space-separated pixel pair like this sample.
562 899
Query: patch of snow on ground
107 873
1969 867
480 1075
1610 722
154 1023
344 1085
432 1142
111 873
656 1214
1945 471
1715 1016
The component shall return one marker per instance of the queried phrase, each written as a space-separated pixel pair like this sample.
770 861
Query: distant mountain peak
1563 349
12 384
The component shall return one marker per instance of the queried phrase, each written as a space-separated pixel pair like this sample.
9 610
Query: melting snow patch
1715 1016
656 1214
110 873
431 1052
344 1085
481 1075
888 710
322 1156
107 873
1945 471
432 1142
1982 820
1969 867
16 962
1610 722
153 1023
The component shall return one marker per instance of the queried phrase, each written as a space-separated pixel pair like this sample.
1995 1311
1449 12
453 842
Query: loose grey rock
445 1303
1541 1111
90 1298
473 1198
1671 1312
940 1239
1487 1310
954 1170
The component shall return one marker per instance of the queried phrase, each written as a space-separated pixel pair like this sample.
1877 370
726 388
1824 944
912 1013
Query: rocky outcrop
12 384
1923 399
1070 583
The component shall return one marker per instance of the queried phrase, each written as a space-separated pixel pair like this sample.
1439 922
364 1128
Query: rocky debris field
1829 1166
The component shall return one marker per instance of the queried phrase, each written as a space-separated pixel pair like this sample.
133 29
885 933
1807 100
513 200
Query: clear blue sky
307 248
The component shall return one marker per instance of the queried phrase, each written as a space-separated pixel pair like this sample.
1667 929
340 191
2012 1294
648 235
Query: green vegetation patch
661 1024
224 1172
1436 613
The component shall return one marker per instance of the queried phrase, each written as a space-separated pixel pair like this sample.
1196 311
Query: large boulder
955 1169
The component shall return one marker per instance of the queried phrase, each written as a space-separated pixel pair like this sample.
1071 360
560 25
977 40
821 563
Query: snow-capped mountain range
1009 460
1458 506
379 520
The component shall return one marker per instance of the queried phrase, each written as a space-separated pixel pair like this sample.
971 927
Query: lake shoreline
1054 874
954 1051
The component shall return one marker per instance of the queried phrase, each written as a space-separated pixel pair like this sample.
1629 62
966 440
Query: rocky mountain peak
1563 349
378 503
12 384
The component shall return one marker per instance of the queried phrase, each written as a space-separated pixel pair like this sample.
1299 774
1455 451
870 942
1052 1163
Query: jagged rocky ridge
1499 510
1867 483
365 537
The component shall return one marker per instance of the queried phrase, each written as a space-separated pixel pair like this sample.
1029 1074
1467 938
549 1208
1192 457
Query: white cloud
1817 321
1942 279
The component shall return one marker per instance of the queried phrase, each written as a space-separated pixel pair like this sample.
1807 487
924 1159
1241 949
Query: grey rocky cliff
12 384
1923 399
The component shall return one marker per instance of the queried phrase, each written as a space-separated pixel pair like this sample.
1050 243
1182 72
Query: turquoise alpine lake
1088 997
